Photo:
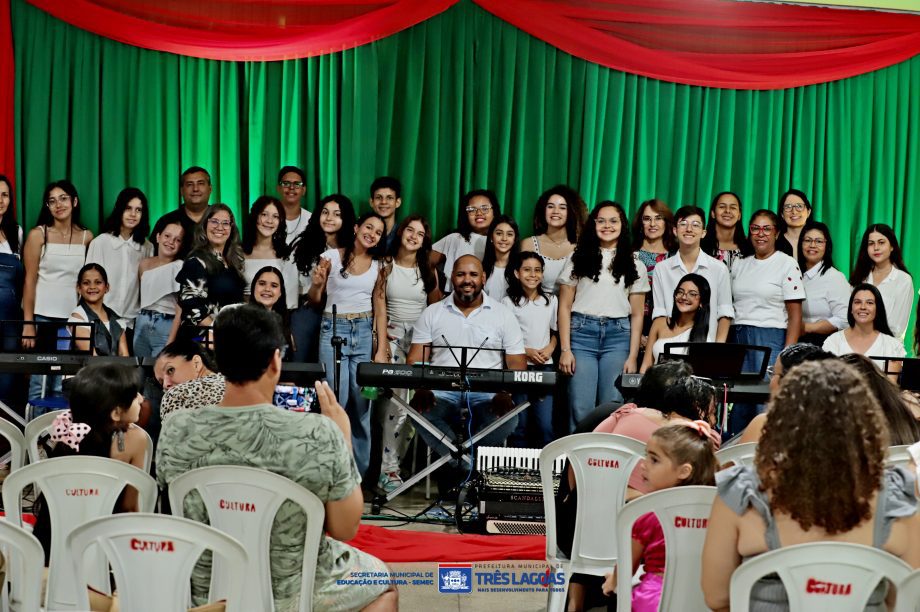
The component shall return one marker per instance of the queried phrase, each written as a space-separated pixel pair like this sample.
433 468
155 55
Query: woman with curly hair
600 310
819 475
212 276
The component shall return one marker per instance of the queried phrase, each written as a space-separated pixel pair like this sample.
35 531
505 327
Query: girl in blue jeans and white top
347 277
408 284
156 324
601 297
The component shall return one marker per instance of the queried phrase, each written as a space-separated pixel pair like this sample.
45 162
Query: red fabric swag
7 99
244 30
719 43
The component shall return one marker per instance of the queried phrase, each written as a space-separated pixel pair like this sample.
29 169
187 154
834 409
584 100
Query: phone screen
295 399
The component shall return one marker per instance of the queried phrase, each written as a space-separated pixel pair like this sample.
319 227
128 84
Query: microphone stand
337 343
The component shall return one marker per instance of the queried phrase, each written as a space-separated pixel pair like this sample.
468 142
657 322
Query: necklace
557 242
293 232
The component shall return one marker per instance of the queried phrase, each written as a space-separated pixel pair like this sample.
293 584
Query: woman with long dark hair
120 248
54 252
868 332
600 310
653 235
11 279
903 428
346 277
827 291
268 289
794 211
478 208
332 227
408 284
879 262
501 248
265 244
557 219
689 320
212 276
725 238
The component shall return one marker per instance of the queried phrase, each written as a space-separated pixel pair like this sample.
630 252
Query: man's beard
469 299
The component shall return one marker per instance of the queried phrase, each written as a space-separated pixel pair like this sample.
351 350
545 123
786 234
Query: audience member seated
903 428
186 372
820 476
104 406
311 449
789 357
868 333
689 320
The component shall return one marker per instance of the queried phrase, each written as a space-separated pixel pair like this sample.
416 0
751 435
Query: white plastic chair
909 593
76 490
261 494
739 454
684 514
41 425
602 464
35 429
12 434
820 577
152 557
898 456
25 564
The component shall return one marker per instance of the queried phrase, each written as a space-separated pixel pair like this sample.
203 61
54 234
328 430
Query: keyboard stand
461 454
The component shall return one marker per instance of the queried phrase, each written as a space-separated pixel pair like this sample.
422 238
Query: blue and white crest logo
455 578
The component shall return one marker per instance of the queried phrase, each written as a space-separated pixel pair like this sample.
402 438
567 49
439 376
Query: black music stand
904 370
720 362
458 448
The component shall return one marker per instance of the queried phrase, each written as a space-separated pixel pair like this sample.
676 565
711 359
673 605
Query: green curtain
460 101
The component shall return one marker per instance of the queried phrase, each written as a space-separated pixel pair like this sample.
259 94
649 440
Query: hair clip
63 429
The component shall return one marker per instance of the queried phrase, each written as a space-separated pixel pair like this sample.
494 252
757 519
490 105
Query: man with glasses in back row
292 185
689 229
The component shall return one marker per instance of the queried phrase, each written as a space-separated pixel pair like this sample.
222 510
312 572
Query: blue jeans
542 409
445 415
151 332
46 342
11 276
600 346
772 337
357 349
305 329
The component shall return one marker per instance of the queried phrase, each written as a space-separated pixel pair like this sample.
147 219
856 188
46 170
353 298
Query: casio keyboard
443 378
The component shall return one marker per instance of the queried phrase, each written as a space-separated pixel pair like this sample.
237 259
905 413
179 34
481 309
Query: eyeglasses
215 223
684 224
766 230
771 371
796 206
481 209
289 184
648 220
691 294
814 241
64 199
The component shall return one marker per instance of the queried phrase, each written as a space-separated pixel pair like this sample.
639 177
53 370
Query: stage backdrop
461 100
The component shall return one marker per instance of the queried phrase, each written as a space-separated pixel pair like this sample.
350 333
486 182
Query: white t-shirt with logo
761 288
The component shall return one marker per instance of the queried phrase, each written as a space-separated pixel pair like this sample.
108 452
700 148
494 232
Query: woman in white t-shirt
346 278
477 211
767 292
879 262
535 311
265 244
119 249
868 333
501 248
826 288
408 284
557 220
600 311
689 320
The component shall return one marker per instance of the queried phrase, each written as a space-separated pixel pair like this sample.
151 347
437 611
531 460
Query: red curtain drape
719 43
7 99
244 30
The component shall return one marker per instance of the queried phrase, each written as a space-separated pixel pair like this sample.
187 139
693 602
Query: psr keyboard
442 378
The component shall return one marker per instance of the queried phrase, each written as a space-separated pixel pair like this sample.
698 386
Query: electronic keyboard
444 378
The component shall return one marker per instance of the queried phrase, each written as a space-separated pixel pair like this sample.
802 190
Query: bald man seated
467 317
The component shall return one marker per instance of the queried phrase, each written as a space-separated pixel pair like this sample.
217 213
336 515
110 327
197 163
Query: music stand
458 448
910 375
893 367
722 363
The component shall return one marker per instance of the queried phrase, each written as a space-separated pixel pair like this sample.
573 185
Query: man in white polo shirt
467 317
689 228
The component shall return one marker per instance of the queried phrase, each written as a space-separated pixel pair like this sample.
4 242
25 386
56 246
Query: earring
119 436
